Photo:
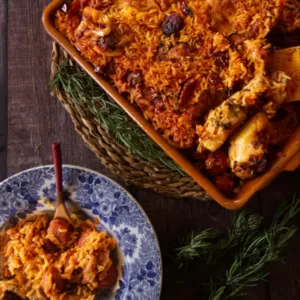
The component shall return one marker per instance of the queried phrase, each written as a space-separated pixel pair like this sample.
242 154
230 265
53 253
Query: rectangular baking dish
289 160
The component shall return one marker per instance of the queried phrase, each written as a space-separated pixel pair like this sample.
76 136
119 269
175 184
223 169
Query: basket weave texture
117 158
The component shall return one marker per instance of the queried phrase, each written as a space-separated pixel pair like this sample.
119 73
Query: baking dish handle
293 164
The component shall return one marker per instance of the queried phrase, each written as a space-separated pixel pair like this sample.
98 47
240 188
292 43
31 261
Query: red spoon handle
56 153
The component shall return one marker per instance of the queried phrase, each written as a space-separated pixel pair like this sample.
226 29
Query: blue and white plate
99 197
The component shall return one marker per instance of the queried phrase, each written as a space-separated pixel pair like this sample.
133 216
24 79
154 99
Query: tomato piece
75 8
110 278
51 279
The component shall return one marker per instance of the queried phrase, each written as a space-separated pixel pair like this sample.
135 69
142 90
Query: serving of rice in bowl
46 259
108 251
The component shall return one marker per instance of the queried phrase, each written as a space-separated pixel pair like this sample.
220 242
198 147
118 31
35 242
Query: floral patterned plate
99 197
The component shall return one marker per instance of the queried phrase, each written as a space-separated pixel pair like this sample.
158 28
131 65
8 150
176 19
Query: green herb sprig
249 246
85 92
210 245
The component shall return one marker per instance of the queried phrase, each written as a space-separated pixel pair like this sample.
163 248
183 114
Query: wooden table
30 120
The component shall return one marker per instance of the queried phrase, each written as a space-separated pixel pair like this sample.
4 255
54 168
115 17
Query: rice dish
44 259
198 71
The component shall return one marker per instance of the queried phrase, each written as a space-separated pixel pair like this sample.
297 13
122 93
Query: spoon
61 211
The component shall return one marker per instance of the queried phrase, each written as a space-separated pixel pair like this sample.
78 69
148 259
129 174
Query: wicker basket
114 156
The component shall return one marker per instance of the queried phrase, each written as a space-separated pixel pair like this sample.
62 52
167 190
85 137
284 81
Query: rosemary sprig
250 249
85 92
209 245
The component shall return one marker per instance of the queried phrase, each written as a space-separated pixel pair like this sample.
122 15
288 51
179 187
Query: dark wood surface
35 120
3 88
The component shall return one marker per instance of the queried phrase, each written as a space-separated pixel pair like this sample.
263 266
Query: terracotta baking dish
289 160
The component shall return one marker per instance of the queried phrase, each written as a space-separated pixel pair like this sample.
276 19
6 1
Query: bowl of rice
108 251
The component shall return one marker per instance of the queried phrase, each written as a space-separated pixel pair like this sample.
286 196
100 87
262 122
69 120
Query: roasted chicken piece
221 122
248 96
248 147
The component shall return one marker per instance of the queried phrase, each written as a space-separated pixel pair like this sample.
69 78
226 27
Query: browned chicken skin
221 122
248 147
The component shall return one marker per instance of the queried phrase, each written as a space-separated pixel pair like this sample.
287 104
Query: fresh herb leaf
199 245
